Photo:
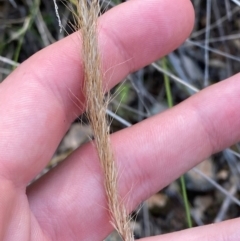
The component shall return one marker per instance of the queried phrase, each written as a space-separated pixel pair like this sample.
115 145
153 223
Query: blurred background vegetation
211 54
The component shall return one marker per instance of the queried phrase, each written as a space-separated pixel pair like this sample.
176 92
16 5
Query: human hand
38 104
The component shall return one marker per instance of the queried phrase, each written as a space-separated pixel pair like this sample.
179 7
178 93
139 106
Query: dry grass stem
58 16
96 107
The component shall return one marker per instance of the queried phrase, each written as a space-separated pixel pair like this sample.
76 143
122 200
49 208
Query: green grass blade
28 23
182 180
185 200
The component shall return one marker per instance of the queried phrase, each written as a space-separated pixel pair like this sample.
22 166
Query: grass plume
96 107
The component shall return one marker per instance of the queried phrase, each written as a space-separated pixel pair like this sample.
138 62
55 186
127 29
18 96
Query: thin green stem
33 11
18 49
167 85
185 200
183 185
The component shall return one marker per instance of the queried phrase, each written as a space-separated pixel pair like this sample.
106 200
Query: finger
43 96
225 231
150 155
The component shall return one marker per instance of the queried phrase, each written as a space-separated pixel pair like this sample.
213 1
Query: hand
38 104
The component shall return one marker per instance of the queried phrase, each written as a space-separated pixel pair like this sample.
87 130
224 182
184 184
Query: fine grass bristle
96 107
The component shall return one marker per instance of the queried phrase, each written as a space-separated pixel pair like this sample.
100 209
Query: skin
43 96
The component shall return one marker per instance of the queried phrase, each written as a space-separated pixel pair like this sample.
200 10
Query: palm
37 108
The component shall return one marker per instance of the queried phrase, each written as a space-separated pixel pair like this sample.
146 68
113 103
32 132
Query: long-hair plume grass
96 107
